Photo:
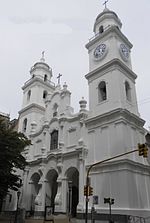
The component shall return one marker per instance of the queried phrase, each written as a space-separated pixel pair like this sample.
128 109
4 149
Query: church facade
65 144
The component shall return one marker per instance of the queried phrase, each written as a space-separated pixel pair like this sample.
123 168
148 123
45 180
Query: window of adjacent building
102 92
24 125
44 94
101 29
128 91
55 110
54 140
45 77
28 95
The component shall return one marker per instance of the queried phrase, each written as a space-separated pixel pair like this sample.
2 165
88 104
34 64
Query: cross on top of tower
42 58
43 54
58 77
105 3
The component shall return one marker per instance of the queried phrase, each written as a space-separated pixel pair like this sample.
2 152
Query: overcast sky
61 28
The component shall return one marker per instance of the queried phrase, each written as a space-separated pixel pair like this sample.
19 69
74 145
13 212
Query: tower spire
42 58
105 3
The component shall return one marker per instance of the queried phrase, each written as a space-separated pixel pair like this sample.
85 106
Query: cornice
57 155
36 80
76 117
32 106
111 30
41 160
110 66
118 115
120 165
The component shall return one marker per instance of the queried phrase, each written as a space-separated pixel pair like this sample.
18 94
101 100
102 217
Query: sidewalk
54 219
4 219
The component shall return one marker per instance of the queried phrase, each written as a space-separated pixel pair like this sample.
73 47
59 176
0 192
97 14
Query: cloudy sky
62 28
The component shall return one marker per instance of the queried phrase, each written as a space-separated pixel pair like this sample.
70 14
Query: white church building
65 144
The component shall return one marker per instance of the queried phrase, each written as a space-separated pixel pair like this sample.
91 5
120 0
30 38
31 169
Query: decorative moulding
72 129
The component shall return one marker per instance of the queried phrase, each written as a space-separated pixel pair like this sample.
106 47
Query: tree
12 145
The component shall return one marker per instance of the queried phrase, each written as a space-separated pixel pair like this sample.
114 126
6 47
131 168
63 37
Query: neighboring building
14 124
65 144
11 123
5 117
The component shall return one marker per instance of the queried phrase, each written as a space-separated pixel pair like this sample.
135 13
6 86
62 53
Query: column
64 192
26 191
58 198
40 198
80 207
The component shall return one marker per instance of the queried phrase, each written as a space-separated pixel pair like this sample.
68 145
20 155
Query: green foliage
12 145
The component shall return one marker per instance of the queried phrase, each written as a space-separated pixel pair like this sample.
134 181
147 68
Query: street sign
95 199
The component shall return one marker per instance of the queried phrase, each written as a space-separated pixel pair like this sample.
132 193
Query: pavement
53 219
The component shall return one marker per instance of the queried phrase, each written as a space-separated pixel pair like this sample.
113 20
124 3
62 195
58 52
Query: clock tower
114 125
111 79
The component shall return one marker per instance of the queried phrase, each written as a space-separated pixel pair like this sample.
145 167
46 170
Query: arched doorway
73 190
51 188
35 187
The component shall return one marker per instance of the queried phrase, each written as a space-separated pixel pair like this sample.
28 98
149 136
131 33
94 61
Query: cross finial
42 58
105 3
59 76
43 52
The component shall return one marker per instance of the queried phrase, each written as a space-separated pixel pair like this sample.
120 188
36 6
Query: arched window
55 110
102 92
24 125
101 29
44 94
54 140
128 91
28 95
45 77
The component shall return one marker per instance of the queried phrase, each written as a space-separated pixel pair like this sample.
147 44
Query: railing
136 219
41 78
98 34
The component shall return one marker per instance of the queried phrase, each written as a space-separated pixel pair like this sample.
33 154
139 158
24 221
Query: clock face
124 51
100 51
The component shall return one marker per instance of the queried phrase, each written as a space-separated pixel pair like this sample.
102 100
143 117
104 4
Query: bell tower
110 78
114 125
35 92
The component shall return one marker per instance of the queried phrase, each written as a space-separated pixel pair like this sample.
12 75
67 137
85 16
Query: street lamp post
16 214
142 149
